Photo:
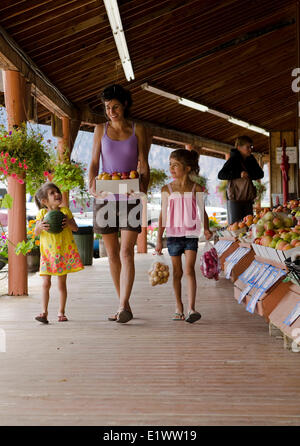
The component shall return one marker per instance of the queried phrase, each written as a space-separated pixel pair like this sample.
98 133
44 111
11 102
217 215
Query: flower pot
3 262
33 260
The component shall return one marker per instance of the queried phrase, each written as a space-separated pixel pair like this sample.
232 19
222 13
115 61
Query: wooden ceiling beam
12 57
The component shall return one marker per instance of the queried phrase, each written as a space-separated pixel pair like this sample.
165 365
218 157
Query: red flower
13 160
25 167
46 174
7 154
21 181
20 164
5 172
14 175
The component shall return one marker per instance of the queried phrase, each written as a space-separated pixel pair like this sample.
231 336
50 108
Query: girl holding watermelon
59 253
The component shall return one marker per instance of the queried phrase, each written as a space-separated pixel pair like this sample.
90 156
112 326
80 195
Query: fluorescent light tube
254 128
238 122
115 21
159 92
193 104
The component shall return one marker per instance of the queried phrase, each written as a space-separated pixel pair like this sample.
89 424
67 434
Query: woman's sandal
42 318
193 317
124 316
62 318
113 318
178 317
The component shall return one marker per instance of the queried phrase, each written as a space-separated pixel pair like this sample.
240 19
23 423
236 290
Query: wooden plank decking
225 370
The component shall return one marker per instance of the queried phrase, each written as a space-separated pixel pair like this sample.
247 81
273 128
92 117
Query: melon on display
55 219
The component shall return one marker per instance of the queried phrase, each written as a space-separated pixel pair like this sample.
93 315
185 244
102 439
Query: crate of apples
158 274
117 182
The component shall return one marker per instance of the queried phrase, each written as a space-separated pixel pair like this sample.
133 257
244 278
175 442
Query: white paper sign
291 153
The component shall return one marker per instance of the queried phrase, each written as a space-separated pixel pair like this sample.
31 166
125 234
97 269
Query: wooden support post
276 139
70 130
15 103
298 95
142 247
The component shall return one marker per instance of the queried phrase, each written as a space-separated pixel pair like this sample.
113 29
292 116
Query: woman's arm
253 168
200 203
94 166
229 170
143 148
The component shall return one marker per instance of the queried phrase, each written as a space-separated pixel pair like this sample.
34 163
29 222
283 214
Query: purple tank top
119 156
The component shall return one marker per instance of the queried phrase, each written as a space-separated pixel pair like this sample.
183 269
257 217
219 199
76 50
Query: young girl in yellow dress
59 253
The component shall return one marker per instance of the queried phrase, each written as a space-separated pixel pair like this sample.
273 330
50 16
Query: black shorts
113 216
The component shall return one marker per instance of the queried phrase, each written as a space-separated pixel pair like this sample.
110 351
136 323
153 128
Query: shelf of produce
260 287
234 267
285 318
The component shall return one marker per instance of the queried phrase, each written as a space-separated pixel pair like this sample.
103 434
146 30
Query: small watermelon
55 219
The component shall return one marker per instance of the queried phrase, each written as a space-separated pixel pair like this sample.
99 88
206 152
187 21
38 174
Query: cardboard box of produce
240 266
118 183
285 315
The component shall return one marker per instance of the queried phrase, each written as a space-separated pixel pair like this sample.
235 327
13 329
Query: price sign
291 153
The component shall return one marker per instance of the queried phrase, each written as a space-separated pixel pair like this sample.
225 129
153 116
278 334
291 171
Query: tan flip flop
113 318
178 317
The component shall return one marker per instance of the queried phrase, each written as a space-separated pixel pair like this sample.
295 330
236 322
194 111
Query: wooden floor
224 370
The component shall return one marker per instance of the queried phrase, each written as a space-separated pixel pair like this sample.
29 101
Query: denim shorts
177 245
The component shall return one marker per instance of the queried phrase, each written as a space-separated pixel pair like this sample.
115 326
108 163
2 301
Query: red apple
270 232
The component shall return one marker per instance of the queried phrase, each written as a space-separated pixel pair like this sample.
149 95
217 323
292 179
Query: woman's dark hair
42 193
188 158
119 93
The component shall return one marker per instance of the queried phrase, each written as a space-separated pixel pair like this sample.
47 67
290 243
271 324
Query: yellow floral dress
59 253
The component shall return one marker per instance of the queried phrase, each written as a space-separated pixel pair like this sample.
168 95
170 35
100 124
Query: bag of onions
158 273
209 262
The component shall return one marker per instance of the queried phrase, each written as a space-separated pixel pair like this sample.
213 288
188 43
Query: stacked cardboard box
258 287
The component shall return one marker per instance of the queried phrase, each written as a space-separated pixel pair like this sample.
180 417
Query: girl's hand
65 222
159 247
40 226
208 234
244 174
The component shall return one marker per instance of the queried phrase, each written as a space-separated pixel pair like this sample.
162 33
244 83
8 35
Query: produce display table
237 262
285 318
225 247
260 287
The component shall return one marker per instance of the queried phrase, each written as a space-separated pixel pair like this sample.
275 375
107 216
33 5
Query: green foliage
68 175
222 189
158 178
201 180
6 202
260 189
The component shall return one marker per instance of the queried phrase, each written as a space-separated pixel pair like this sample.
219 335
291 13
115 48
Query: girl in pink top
181 217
